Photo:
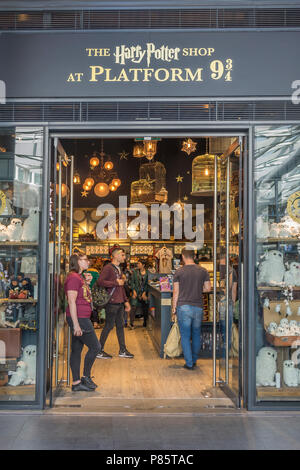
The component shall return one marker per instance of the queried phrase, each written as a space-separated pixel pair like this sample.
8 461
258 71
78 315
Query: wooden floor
147 380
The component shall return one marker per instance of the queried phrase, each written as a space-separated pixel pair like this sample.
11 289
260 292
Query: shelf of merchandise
19 390
19 244
18 301
285 241
276 288
271 393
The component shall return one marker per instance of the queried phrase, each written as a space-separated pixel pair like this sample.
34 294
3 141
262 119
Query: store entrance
202 175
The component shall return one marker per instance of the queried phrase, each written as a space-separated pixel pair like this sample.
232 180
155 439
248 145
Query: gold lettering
191 77
107 76
135 74
176 74
96 70
71 78
147 74
166 77
123 76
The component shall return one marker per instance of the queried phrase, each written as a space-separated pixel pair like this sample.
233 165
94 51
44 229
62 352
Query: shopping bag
172 347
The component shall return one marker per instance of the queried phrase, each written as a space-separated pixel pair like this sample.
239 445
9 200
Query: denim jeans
189 322
223 326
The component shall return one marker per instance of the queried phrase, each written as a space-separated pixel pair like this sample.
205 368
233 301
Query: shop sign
149 64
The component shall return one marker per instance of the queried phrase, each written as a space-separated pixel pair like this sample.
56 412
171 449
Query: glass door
228 270
61 232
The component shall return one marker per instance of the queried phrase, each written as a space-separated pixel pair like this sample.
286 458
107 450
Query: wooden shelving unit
18 301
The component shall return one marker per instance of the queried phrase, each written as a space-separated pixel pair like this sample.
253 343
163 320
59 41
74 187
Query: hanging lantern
89 182
150 147
57 166
203 174
101 189
188 146
76 178
116 182
138 151
112 187
94 161
64 190
108 165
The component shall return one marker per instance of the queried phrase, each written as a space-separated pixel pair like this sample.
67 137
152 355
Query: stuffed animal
14 230
281 331
262 228
292 276
290 374
31 226
18 377
272 327
271 270
274 230
29 358
2 316
3 233
266 367
284 322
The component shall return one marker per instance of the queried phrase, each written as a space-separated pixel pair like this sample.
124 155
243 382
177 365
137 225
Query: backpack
172 347
100 296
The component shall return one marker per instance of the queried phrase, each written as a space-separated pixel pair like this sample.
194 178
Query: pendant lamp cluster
101 176
145 147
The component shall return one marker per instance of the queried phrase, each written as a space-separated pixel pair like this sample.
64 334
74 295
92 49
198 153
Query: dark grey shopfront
121 71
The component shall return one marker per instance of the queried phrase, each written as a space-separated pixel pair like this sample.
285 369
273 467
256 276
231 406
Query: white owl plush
271 270
14 230
274 230
281 331
284 322
272 327
31 226
290 374
29 358
3 233
266 367
18 377
262 228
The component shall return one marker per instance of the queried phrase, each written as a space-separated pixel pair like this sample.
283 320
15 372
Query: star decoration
188 146
148 182
123 155
84 193
179 179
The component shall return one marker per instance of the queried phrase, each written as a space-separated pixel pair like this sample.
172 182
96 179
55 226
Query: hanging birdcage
154 171
203 175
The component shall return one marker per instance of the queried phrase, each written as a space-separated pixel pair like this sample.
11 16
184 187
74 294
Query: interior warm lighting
89 182
150 147
94 161
116 182
86 187
138 151
108 165
76 178
101 189
57 166
112 187
64 190
188 146
206 172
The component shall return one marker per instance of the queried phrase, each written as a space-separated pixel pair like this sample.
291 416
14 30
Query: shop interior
89 172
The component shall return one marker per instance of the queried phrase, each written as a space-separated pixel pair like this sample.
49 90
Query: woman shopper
139 286
78 313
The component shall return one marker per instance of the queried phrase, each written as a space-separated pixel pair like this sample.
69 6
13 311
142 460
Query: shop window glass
277 202
21 157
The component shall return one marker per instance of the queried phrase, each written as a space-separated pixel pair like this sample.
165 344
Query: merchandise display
266 367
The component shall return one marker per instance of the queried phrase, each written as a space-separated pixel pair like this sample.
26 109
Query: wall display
141 250
165 257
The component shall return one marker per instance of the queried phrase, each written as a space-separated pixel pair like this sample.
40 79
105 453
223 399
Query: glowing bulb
108 165
89 182
206 172
116 182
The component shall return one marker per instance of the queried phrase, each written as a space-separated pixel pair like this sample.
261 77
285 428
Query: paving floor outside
210 431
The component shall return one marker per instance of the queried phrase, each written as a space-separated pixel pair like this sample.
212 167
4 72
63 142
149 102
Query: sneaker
82 388
126 353
188 368
88 382
103 355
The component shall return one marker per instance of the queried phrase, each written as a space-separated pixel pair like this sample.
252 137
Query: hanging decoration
151 187
179 180
188 146
145 147
76 178
203 174
103 179
123 155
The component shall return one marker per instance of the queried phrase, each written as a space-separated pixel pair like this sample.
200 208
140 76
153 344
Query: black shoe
188 368
88 382
126 353
82 388
194 365
103 355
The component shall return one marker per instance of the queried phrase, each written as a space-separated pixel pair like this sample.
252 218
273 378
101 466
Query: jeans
189 322
145 309
114 315
89 339
222 309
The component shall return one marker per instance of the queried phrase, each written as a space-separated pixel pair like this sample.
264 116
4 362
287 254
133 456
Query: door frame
241 132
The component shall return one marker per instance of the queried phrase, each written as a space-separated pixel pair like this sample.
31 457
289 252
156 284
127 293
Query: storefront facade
127 71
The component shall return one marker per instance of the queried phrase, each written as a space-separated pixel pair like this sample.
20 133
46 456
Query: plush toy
31 226
281 331
274 230
2 316
14 230
271 270
3 233
292 276
18 377
262 228
272 327
290 374
266 367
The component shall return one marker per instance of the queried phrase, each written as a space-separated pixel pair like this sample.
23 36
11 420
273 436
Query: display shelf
18 243
272 393
18 301
287 241
276 288
19 390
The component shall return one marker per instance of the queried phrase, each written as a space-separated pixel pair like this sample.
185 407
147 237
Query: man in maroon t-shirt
111 278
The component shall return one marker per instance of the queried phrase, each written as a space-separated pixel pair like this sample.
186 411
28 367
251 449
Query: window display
277 184
20 194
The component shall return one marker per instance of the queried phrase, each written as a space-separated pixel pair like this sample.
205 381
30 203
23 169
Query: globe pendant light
101 189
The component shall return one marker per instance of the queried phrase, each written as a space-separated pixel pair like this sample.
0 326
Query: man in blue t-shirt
189 283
